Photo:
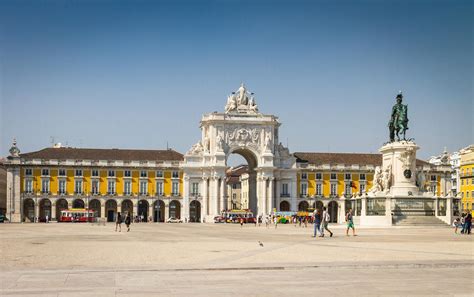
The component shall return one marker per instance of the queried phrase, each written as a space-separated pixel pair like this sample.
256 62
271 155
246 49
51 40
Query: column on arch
270 194
214 189
204 209
185 206
223 205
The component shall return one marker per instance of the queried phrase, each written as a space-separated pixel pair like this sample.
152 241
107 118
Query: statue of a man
399 120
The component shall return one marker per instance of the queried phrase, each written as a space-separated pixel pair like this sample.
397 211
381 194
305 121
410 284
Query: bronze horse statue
399 120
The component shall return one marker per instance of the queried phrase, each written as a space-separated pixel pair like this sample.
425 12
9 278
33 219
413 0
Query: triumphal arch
241 129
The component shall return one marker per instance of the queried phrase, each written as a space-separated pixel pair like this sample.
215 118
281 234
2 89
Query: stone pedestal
400 158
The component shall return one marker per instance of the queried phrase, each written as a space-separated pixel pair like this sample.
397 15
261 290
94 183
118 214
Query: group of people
321 222
464 223
119 220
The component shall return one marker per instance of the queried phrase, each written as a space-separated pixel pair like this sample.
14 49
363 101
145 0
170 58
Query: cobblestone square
226 260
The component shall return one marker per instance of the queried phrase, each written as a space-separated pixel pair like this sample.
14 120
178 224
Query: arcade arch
94 205
158 211
44 209
248 181
61 204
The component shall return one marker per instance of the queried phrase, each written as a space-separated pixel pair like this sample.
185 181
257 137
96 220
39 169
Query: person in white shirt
325 221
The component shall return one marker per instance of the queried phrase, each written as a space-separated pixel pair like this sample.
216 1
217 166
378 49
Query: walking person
267 222
128 221
456 225
325 222
468 220
241 222
350 222
463 222
47 219
118 222
317 223
276 222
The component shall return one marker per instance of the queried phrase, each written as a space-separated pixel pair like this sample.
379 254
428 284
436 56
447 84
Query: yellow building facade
144 183
466 172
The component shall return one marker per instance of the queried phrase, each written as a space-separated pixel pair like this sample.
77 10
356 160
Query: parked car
219 219
174 220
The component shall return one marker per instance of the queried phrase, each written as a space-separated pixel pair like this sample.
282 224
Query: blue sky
139 74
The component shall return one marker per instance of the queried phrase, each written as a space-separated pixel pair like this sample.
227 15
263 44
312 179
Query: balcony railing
284 194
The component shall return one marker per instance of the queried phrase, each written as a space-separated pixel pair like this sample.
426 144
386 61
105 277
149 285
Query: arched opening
159 211
94 205
78 203
332 208
127 207
319 205
111 210
175 209
303 206
44 210
284 206
61 205
29 210
143 210
195 211
241 181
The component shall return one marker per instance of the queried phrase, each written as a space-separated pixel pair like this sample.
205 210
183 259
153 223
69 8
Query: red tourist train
80 215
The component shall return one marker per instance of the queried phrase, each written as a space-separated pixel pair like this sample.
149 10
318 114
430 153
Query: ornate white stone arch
241 129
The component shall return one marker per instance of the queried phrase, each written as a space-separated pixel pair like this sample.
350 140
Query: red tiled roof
343 158
67 153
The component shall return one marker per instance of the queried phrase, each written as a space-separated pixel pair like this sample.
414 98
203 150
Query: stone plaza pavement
227 260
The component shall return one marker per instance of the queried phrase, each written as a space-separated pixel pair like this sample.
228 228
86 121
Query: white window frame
29 186
93 171
195 188
143 176
62 186
364 175
111 171
319 189
28 172
320 175
173 174
76 171
304 189
125 173
347 188
175 188
45 189
159 174
159 188
95 190
143 187
127 187
111 190
304 176
333 186
285 189
330 176
76 190
42 172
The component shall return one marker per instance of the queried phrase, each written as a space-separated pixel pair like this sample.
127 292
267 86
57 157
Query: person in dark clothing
317 223
118 222
468 223
128 221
